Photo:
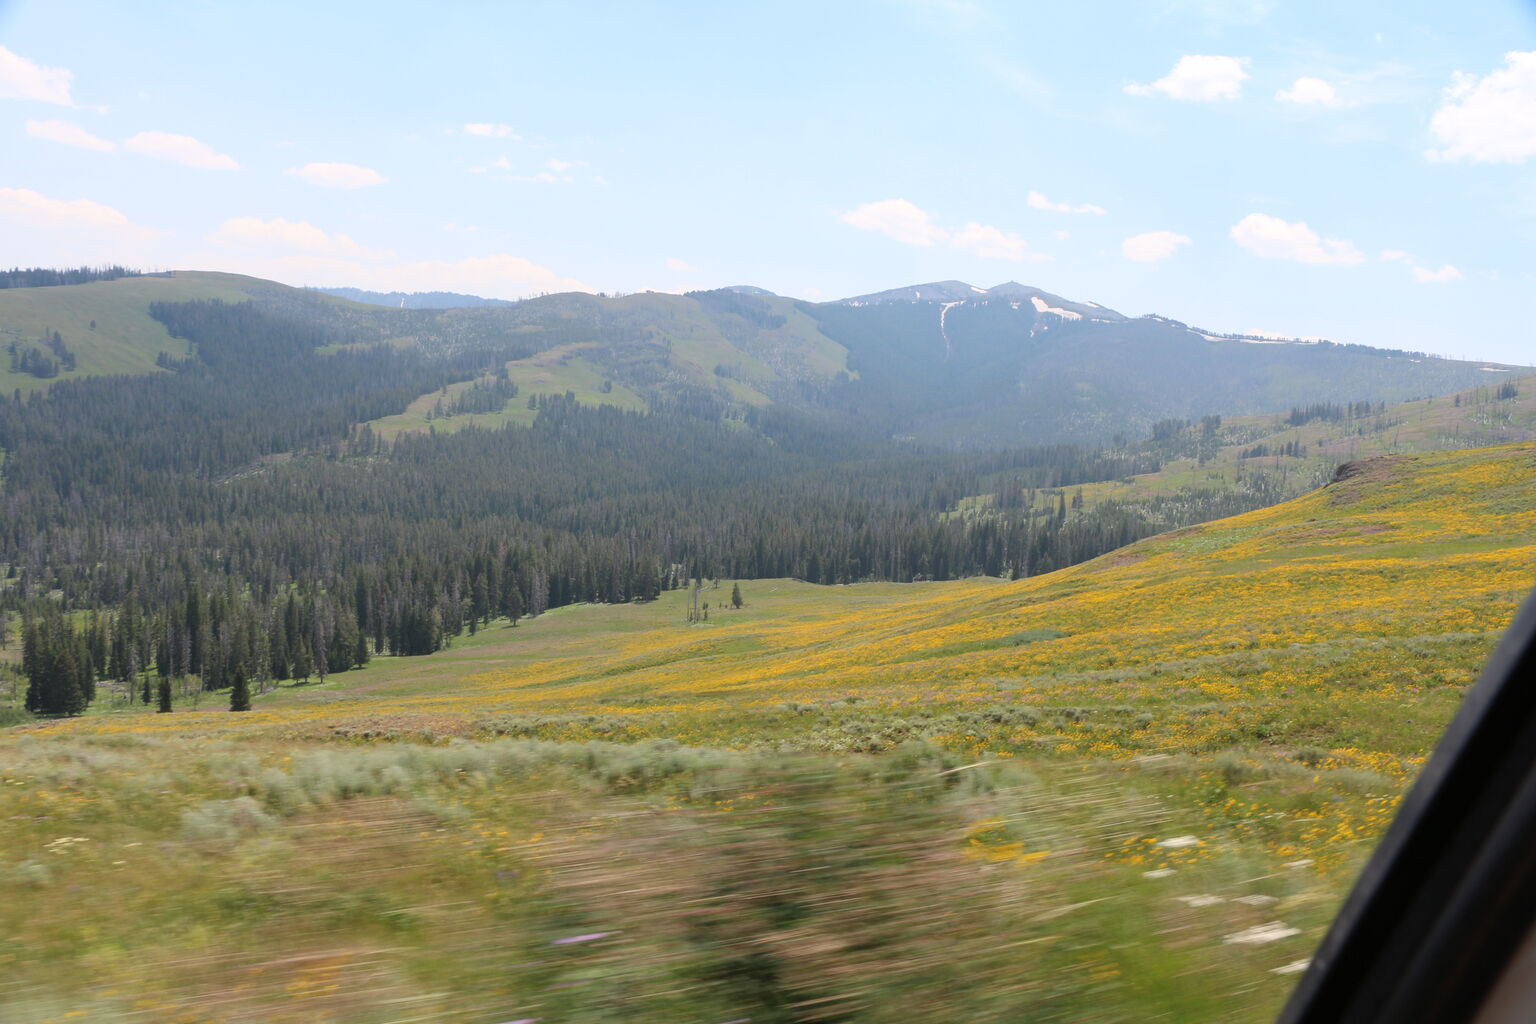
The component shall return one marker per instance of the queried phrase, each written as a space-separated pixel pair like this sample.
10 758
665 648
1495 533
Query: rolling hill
107 324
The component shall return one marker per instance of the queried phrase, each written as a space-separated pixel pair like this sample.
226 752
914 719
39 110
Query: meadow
1135 789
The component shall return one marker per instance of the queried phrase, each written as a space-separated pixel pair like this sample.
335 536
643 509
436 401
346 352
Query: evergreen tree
165 696
736 601
240 692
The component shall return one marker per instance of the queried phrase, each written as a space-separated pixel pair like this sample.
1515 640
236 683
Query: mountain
950 292
955 364
414 300
944 363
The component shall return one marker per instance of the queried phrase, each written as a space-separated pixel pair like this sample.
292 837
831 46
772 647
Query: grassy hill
1141 786
125 339
1300 456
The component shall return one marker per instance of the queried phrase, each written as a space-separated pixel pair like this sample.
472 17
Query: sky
1363 172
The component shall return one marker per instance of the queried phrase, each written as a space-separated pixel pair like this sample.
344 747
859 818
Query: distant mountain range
944 363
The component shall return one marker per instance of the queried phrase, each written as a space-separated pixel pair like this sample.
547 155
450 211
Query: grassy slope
696 346
1427 424
1266 685
126 339
554 372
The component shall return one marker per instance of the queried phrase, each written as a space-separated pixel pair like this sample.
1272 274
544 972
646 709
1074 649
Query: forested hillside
300 482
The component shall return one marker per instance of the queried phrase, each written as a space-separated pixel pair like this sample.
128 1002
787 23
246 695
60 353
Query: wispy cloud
1199 78
22 79
334 175
909 224
990 243
180 149
1276 239
1311 92
33 209
1444 275
487 130
68 134
673 263
1038 201
898 219
1153 246
282 234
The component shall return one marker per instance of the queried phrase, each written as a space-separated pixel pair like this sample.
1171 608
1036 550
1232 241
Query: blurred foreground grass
519 879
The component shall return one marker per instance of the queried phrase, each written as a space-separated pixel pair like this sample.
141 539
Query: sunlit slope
126 339
1348 620
1148 781
631 351
1272 444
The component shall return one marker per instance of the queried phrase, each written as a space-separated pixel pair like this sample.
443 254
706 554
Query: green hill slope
125 339
1141 785
1294 452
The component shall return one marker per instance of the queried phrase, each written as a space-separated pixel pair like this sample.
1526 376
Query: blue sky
1361 171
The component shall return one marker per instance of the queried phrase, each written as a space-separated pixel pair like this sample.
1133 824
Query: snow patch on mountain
1041 306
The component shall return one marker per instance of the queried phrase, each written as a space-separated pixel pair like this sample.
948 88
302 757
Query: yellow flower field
388 845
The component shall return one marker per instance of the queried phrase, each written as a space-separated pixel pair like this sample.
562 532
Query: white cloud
1490 119
1152 247
990 243
337 175
1444 275
911 225
24 206
300 252
281 234
1310 92
501 163
1199 78
1061 235
69 135
1394 256
676 264
180 149
21 79
898 219
1275 239
497 276
1038 201
561 166
541 178
489 131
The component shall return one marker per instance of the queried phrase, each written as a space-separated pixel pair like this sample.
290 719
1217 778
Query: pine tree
165 695
240 692
736 601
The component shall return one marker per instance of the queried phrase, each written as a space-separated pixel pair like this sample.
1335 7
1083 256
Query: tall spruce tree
240 692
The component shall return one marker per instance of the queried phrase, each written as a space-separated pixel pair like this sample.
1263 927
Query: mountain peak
934 291
961 291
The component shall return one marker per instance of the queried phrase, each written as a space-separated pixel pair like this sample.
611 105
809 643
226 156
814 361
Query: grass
1132 790
692 346
555 372
1468 419
126 339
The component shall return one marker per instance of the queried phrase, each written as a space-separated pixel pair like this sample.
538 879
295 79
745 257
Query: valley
1265 686
1139 707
